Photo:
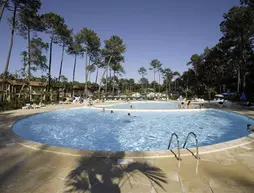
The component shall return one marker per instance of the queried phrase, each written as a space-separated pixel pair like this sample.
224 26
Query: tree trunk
238 80
2 9
50 60
104 74
89 72
101 79
73 74
11 40
159 82
106 88
243 65
167 93
154 81
209 94
97 73
61 64
29 63
89 76
113 90
169 89
85 93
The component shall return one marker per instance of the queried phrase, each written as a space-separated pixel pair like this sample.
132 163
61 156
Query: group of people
103 110
182 106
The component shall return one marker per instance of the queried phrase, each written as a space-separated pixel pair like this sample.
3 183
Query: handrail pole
170 141
197 152
178 144
197 148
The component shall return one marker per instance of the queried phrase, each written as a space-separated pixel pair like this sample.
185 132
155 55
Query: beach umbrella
219 96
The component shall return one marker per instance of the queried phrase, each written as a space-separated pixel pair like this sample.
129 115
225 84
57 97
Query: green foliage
91 41
167 74
155 65
64 34
142 71
144 81
74 47
28 21
38 60
53 24
9 76
91 68
114 49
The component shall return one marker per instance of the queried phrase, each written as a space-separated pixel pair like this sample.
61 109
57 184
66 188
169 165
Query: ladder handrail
178 144
196 139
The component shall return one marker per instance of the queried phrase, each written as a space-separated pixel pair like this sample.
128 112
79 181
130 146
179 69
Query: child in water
250 127
181 106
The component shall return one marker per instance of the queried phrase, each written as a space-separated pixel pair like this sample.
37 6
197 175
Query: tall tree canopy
16 6
91 42
52 22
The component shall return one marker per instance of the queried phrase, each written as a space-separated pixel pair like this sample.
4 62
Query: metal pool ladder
197 152
178 145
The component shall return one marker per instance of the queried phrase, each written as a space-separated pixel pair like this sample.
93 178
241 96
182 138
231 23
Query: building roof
20 82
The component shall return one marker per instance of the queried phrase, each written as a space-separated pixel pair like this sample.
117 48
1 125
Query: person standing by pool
189 104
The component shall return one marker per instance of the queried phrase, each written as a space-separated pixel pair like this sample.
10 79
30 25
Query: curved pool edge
14 138
129 154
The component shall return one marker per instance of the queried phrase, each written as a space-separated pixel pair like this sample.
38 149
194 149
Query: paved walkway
26 170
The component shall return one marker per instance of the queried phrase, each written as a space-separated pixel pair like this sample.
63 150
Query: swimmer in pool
131 106
250 127
130 115
111 111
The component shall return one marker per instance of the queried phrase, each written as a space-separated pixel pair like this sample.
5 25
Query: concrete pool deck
31 167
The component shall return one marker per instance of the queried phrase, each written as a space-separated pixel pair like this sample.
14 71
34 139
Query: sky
167 30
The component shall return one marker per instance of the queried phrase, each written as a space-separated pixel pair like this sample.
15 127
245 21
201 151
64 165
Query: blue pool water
92 129
146 105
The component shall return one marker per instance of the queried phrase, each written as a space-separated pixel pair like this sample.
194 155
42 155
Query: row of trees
228 66
29 24
166 73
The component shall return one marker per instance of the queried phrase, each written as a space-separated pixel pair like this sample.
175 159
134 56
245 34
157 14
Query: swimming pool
84 128
146 105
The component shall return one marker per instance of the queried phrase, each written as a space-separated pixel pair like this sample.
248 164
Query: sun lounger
28 106
35 106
